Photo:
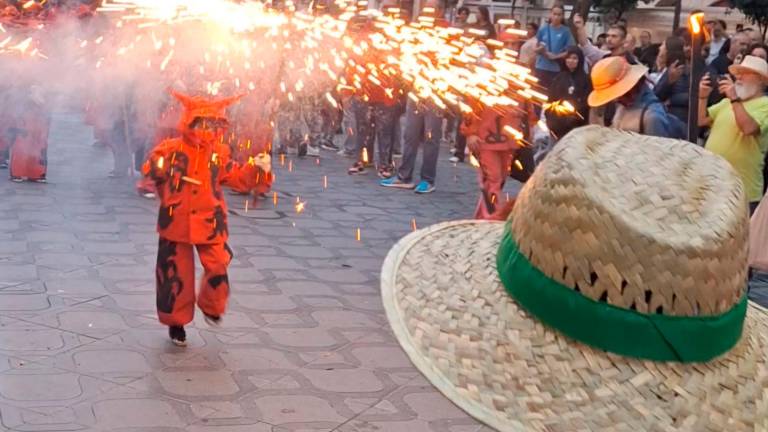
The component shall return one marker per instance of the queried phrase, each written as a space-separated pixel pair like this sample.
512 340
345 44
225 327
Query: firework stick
191 180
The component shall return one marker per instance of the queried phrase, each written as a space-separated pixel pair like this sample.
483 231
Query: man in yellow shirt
739 123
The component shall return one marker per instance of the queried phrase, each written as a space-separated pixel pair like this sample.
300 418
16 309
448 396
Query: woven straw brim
452 316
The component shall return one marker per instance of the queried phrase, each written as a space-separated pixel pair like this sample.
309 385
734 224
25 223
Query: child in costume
29 139
189 171
494 147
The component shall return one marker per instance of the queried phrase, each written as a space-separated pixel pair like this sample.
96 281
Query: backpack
679 129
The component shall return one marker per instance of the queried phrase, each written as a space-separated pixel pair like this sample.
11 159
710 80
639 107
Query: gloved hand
263 161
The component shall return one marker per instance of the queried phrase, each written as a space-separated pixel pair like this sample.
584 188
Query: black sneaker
329 145
178 335
357 168
4 164
302 150
212 320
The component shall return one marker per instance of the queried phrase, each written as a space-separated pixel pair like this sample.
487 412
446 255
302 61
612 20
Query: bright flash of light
473 161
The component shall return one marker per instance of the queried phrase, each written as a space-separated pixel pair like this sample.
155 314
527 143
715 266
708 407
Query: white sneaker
313 150
453 159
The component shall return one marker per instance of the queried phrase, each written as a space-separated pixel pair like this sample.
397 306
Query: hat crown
643 223
609 71
756 64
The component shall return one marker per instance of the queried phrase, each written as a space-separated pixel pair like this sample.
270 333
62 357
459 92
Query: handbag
522 164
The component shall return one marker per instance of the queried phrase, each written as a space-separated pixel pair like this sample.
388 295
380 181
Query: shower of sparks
289 59
473 161
361 51
299 206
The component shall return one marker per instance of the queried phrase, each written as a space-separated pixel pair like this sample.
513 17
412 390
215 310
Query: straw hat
612 78
613 299
751 64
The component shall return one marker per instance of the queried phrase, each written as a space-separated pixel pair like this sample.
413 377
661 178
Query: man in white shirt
615 42
528 50
717 30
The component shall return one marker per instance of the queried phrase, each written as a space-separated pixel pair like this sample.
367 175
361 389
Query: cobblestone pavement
305 346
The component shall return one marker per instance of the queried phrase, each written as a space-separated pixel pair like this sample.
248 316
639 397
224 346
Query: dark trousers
423 129
545 77
461 141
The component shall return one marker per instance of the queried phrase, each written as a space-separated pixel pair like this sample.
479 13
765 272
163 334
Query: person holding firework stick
492 140
189 172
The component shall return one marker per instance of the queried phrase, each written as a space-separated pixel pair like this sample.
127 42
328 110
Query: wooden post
698 38
678 10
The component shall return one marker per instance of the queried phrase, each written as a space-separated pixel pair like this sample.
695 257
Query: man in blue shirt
553 39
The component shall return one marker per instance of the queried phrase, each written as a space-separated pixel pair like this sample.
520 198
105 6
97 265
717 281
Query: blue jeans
423 126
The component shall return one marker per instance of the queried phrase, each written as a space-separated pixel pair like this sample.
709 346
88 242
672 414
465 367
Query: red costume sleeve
237 176
153 167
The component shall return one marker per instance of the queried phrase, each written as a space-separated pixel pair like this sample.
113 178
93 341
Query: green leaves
756 12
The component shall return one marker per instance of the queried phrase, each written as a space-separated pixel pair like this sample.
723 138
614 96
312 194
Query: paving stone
135 413
197 383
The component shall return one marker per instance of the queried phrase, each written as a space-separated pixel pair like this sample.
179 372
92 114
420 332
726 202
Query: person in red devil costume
189 172
494 147
29 139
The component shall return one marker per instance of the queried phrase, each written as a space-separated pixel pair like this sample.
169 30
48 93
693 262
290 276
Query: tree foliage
756 12
614 7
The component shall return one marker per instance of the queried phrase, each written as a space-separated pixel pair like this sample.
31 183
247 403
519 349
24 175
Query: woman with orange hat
189 172
614 79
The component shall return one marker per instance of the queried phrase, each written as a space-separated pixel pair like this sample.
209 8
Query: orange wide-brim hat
612 78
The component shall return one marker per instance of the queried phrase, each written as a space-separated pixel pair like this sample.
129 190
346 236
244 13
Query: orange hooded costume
495 151
189 172
29 139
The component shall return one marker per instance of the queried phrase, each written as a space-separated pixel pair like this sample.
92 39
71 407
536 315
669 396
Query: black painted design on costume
215 187
165 215
219 221
216 281
169 284
179 168
496 136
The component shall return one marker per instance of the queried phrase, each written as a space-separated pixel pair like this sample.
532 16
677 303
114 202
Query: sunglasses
209 123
